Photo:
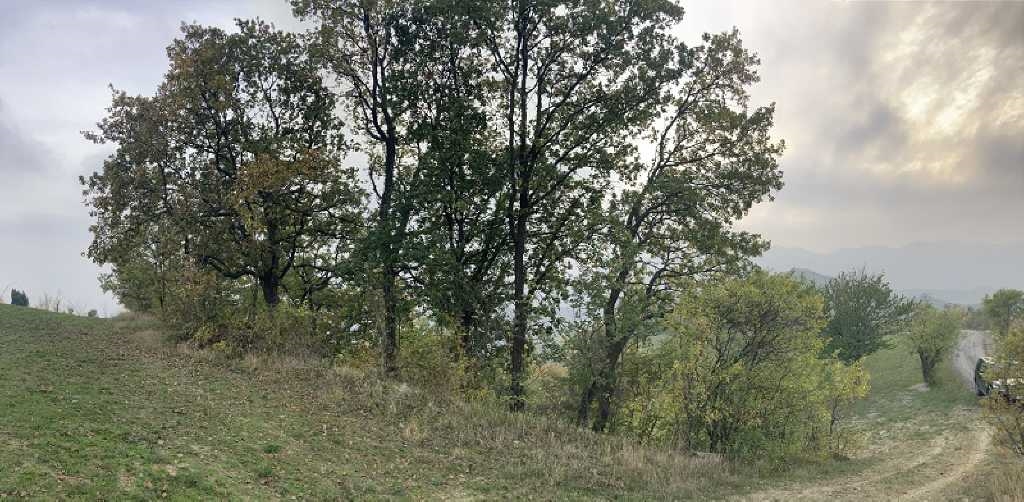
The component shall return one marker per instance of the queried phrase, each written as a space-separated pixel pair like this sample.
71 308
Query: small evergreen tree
19 298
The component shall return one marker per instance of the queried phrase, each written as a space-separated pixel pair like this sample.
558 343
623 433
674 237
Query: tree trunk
583 412
521 190
608 383
389 341
387 254
519 324
927 368
271 286
467 323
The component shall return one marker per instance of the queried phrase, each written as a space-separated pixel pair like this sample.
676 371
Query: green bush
741 373
1005 414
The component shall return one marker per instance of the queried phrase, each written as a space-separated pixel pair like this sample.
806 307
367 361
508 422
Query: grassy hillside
99 408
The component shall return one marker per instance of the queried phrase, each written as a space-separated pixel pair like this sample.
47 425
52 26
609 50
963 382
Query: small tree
19 298
1002 308
862 311
933 333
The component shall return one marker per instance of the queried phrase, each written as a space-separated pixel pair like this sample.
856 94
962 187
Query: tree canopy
862 311
1003 308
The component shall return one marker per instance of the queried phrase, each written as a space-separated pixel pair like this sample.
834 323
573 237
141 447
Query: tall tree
575 79
237 157
1004 307
368 45
712 160
862 311
462 260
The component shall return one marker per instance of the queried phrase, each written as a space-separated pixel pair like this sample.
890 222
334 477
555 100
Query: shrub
93 313
741 373
1008 414
19 298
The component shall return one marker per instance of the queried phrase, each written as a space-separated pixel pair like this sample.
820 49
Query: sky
904 122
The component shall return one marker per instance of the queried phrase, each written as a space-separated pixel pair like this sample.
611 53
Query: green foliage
234 164
933 334
741 373
863 312
1006 411
671 218
19 298
1003 308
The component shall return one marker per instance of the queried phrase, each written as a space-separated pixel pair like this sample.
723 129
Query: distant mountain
953 272
810 276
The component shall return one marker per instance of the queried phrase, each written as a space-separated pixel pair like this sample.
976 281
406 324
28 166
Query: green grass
93 408
896 425
107 409
896 396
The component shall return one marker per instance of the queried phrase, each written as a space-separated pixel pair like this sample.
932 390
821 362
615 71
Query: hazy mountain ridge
943 272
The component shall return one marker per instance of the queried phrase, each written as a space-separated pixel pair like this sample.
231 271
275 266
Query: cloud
905 121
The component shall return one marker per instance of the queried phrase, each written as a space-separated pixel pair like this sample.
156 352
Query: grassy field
107 409
96 408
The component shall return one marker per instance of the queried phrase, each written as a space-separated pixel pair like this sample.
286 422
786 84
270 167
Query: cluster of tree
479 164
19 298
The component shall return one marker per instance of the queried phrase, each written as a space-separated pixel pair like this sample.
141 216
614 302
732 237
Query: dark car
987 381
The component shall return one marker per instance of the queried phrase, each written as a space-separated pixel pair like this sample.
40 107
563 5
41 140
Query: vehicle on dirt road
989 378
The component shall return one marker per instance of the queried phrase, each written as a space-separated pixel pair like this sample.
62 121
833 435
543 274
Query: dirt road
910 467
972 346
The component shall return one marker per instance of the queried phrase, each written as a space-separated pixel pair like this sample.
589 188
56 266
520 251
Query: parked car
987 380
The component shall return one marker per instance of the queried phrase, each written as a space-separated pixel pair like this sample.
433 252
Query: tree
862 311
573 81
933 334
19 298
1002 308
713 159
236 162
369 46
463 263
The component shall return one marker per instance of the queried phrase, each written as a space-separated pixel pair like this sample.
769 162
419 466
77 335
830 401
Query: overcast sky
904 121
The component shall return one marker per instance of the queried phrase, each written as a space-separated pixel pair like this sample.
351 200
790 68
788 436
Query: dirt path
918 473
972 346
911 469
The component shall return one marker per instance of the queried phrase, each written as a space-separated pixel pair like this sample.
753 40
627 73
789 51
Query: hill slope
96 408
106 409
